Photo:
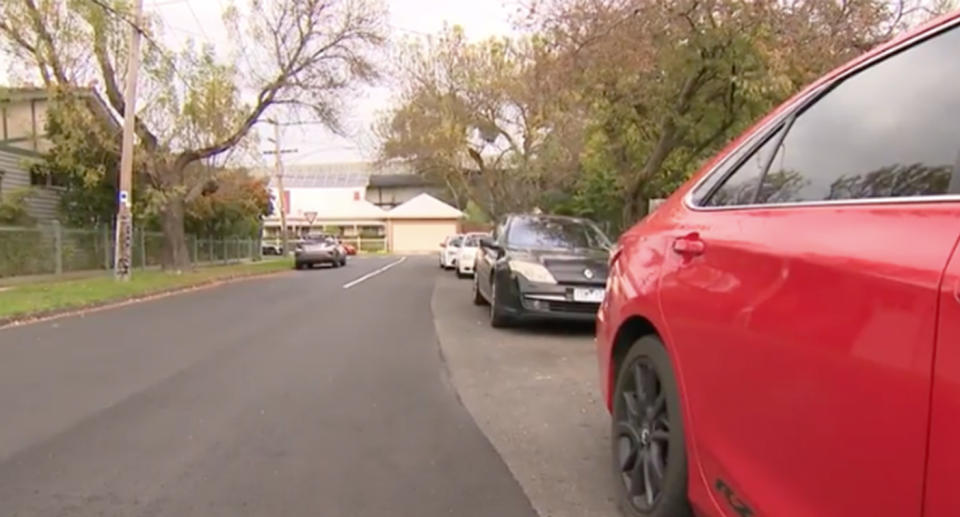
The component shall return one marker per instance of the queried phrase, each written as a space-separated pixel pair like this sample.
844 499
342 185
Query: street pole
283 201
124 235
278 174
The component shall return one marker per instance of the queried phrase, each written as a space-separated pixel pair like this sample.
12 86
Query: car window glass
892 130
740 188
731 160
471 242
549 233
455 241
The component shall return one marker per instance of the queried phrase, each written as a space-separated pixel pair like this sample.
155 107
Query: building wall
314 199
43 201
23 123
389 197
420 235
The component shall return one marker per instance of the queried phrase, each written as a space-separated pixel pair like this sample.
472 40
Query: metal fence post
210 248
57 247
225 256
143 249
107 263
196 256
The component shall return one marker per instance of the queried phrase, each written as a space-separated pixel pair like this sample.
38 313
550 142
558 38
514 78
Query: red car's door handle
689 245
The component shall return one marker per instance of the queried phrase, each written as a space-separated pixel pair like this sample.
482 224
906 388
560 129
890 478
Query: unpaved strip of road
534 393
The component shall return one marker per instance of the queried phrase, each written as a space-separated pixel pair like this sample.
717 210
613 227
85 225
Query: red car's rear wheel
648 448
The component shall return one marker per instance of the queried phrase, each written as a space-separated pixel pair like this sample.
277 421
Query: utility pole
124 237
278 174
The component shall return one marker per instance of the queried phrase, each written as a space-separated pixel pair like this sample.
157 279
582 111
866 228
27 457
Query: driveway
284 396
534 392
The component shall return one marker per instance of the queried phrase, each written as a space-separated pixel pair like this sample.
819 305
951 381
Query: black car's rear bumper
522 299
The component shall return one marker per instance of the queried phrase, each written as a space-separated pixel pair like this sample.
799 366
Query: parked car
271 249
449 249
320 250
780 337
467 255
541 266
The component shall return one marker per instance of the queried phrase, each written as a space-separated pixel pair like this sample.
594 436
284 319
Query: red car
782 336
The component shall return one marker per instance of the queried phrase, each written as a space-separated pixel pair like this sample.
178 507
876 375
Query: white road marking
372 274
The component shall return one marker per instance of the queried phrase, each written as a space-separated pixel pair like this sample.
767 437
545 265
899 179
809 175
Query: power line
146 35
199 25
411 31
315 152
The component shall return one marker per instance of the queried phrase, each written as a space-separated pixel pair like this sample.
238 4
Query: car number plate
588 295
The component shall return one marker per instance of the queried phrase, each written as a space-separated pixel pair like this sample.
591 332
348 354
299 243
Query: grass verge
36 300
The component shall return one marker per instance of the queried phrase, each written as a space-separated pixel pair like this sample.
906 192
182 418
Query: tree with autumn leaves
605 104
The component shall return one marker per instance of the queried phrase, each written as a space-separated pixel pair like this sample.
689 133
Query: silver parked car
320 250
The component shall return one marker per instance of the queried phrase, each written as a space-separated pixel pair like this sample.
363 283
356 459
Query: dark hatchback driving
542 267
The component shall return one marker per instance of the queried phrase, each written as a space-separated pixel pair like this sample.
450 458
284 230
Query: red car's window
892 130
741 187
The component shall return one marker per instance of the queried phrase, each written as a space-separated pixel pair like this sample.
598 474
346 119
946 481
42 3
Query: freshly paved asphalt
284 396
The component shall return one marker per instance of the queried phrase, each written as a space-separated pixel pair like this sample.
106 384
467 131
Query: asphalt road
534 392
282 396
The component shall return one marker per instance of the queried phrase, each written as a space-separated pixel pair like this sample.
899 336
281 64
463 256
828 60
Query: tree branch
114 96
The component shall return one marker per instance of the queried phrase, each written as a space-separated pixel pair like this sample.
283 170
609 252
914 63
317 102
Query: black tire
459 274
658 407
478 298
297 265
498 319
335 264
343 262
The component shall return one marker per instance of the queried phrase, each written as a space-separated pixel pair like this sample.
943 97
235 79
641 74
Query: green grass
32 299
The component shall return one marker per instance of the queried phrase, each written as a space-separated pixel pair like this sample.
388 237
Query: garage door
421 236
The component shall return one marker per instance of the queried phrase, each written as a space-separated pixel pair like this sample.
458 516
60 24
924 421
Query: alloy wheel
642 435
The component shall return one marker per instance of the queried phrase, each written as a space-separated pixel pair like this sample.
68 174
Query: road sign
310 217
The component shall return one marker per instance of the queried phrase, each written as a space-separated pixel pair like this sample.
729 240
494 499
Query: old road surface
283 396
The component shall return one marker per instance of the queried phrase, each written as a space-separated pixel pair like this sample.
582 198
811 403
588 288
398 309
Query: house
23 121
421 224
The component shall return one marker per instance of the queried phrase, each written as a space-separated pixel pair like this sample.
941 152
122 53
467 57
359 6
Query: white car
449 250
467 257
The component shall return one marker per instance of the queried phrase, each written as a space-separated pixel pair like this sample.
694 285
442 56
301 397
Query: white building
354 201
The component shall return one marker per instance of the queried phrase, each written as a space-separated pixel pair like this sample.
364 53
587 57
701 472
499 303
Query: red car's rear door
801 295
806 339
943 459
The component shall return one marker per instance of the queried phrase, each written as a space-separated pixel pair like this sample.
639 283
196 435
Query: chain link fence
52 249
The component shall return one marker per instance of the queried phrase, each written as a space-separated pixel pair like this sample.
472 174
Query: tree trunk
636 203
176 257
633 209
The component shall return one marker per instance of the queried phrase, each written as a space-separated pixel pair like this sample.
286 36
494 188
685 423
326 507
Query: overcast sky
200 19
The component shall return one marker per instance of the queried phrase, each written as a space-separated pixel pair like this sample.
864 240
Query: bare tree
295 55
